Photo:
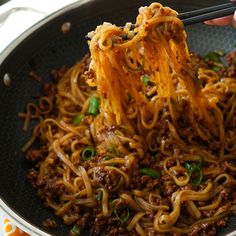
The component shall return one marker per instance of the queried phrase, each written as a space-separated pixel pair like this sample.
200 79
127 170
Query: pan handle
5 14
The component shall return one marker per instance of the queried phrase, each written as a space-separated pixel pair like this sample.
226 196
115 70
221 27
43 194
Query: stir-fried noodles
139 137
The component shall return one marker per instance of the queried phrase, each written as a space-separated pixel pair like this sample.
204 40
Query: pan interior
49 48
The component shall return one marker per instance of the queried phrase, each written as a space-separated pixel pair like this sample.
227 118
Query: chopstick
200 15
208 13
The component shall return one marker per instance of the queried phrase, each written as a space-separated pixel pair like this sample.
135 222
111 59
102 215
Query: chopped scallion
150 172
77 119
195 173
107 158
216 68
88 153
75 231
93 106
145 79
212 56
99 196
124 217
112 148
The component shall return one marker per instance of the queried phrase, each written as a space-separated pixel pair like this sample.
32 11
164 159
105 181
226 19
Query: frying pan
44 47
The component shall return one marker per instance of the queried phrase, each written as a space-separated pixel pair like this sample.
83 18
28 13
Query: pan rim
13 215
20 222
17 41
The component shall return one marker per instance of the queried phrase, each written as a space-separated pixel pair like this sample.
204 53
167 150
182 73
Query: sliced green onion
124 217
112 148
221 52
75 230
129 97
198 82
216 68
99 196
88 153
212 56
195 173
93 106
145 79
150 172
157 155
77 119
107 158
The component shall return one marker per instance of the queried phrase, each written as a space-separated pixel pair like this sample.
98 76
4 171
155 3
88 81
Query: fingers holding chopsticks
222 21
227 20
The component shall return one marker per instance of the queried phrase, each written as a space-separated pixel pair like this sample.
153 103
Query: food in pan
139 137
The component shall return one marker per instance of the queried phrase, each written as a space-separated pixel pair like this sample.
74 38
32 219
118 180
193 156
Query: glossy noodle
137 138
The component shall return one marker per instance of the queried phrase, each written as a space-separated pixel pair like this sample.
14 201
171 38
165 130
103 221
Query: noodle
137 138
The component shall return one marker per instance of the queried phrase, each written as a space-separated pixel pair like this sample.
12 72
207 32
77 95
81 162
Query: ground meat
37 154
84 220
118 231
49 223
54 188
32 176
197 61
231 59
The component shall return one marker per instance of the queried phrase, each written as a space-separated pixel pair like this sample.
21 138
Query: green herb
107 158
99 196
195 173
93 106
129 97
150 172
145 79
88 153
77 119
198 82
216 68
124 217
221 52
212 56
157 155
112 148
75 230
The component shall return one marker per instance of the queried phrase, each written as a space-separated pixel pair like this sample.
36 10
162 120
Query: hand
227 20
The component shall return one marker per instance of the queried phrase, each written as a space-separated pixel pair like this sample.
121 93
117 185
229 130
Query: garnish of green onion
124 217
221 52
216 68
75 230
198 82
150 172
99 196
88 153
212 56
112 148
107 158
77 119
195 173
145 79
93 106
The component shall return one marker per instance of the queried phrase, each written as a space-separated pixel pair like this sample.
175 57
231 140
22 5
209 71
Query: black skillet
44 47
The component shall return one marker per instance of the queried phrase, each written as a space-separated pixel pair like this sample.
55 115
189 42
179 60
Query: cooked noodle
156 154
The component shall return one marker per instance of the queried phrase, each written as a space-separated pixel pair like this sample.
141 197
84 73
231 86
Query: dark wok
43 47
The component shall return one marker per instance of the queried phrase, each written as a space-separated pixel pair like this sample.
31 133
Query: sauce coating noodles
137 138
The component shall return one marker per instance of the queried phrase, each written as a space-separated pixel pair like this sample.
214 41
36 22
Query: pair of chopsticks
208 13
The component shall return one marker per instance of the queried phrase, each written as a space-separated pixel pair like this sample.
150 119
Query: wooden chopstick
207 13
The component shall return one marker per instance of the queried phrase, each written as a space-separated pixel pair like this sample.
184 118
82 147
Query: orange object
11 230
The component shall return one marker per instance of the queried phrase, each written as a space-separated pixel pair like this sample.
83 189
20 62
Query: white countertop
18 15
